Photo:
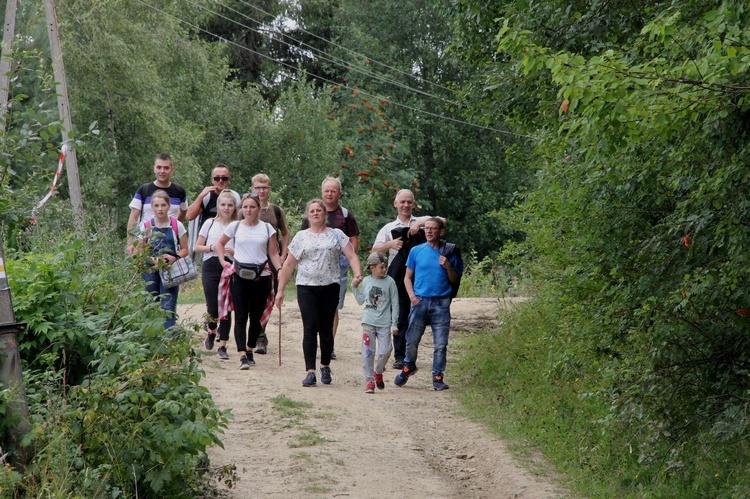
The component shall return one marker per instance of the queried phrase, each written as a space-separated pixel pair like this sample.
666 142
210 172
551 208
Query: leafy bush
116 404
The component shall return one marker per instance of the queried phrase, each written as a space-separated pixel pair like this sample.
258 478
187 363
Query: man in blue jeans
430 274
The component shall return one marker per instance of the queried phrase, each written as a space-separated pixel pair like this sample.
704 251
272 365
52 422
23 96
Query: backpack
448 250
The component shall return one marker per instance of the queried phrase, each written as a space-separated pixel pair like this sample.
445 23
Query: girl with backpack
164 235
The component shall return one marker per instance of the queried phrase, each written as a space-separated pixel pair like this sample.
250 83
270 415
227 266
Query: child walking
379 294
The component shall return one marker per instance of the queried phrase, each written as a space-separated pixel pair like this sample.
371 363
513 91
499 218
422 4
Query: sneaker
325 375
309 380
333 355
250 359
261 345
370 387
402 377
379 381
398 364
438 383
244 363
209 341
221 353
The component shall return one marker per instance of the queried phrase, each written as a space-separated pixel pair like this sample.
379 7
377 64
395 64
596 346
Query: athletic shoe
370 387
325 375
221 353
261 345
309 380
398 364
333 355
209 341
244 363
379 381
250 359
402 377
438 383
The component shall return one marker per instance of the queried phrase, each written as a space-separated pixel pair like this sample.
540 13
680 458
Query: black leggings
211 275
249 299
317 305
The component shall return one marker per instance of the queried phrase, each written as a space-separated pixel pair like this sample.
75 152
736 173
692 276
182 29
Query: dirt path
336 441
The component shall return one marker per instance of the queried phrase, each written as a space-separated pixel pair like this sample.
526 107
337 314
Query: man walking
398 249
431 272
140 206
274 215
338 218
204 206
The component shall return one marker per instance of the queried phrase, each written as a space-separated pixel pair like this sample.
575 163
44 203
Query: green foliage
637 225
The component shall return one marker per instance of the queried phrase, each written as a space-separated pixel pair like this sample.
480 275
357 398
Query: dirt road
336 441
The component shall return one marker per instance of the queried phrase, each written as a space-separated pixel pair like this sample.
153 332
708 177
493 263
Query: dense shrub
116 404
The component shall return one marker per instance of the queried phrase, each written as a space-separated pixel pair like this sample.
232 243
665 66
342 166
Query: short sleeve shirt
212 230
250 242
318 256
385 235
142 199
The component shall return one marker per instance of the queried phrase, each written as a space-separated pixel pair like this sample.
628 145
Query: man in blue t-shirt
430 273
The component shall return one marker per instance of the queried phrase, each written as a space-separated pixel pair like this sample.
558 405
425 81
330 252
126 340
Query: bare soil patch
336 441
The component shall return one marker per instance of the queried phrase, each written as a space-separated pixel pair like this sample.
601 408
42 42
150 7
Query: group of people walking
248 259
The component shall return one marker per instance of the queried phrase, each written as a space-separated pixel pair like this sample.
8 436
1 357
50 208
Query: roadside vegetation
591 156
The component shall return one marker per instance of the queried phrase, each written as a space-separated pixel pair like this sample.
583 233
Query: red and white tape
53 188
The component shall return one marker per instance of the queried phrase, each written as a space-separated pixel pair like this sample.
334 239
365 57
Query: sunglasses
220 178
253 195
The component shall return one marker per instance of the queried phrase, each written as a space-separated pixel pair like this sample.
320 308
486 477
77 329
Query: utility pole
63 107
11 375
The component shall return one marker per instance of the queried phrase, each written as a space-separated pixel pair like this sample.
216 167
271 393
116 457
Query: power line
411 75
282 63
323 55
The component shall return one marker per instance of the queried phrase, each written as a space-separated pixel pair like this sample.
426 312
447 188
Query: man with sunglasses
205 204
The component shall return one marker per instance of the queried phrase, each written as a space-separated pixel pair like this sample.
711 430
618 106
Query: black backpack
448 249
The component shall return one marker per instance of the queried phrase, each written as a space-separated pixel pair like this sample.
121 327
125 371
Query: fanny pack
249 271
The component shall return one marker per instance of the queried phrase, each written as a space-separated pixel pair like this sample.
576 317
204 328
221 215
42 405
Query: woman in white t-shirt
208 237
316 251
255 246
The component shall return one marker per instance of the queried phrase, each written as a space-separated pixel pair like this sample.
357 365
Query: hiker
205 205
273 215
317 250
379 320
140 206
396 239
256 256
210 233
338 218
161 235
431 272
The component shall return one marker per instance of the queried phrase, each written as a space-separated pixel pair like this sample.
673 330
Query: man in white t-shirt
386 243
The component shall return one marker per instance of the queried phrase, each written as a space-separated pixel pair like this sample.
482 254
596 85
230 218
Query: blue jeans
437 312
168 296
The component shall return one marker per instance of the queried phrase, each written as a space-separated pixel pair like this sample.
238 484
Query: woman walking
209 235
256 256
316 250
163 234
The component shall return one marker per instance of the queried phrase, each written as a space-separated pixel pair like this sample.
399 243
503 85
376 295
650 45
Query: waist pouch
249 271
